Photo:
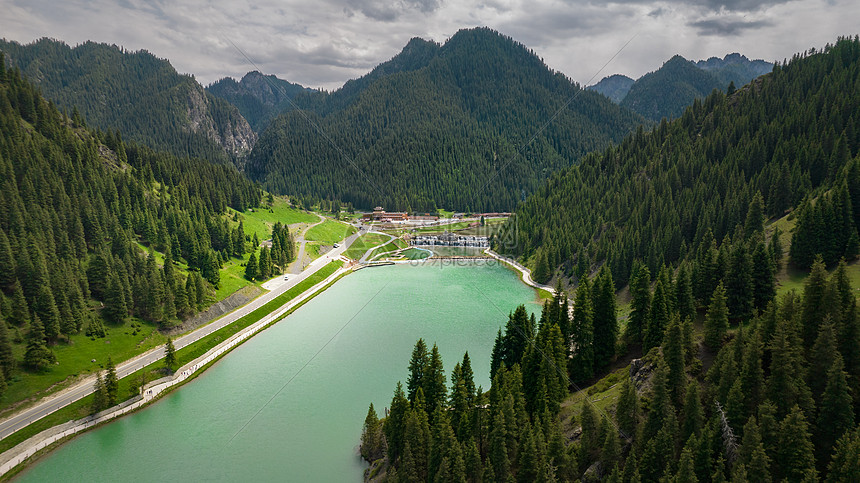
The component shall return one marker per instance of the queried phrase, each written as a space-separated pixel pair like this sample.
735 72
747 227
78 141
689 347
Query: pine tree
845 464
836 415
417 366
717 319
795 454
7 358
686 469
684 295
693 415
99 394
111 384
542 271
46 308
610 453
371 436
822 357
786 386
751 448
640 305
764 283
661 405
658 318
673 354
37 356
528 464
589 443
417 437
581 365
7 263
752 374
433 382
394 424
754 223
251 269
605 320
498 453
814 302
169 355
739 284
20 312
775 249
115 308
627 410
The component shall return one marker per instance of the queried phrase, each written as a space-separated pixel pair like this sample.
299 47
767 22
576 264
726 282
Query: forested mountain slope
78 207
615 87
667 91
137 93
667 195
715 377
258 97
438 126
735 68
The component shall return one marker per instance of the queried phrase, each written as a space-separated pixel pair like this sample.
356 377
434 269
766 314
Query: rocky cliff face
220 122
138 94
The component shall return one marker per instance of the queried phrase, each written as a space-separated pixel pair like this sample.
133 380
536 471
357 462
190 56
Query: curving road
297 265
85 387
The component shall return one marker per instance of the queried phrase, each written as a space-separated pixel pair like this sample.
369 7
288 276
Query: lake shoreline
37 455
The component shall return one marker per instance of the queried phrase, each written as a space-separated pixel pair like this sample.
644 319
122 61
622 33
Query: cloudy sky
323 43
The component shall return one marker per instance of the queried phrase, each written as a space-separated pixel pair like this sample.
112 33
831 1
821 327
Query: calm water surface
253 416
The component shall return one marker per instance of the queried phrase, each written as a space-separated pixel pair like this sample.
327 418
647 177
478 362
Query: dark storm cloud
726 26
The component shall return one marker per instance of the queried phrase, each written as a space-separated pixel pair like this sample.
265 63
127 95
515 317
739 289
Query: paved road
364 257
298 265
67 396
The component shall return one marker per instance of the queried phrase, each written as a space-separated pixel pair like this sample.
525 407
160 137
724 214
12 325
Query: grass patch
391 246
793 279
364 243
329 232
312 249
416 254
233 277
122 342
261 220
603 395
443 228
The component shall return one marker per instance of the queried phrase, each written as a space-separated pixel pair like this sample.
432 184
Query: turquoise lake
288 405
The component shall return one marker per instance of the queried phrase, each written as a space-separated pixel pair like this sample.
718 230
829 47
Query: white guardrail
15 456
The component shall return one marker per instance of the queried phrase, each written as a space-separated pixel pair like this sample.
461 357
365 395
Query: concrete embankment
526 273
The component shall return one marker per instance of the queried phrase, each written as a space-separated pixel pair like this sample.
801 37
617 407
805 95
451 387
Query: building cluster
450 240
380 215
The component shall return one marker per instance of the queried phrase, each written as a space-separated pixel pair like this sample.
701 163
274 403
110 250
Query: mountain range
258 97
139 94
667 91
476 123
460 125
